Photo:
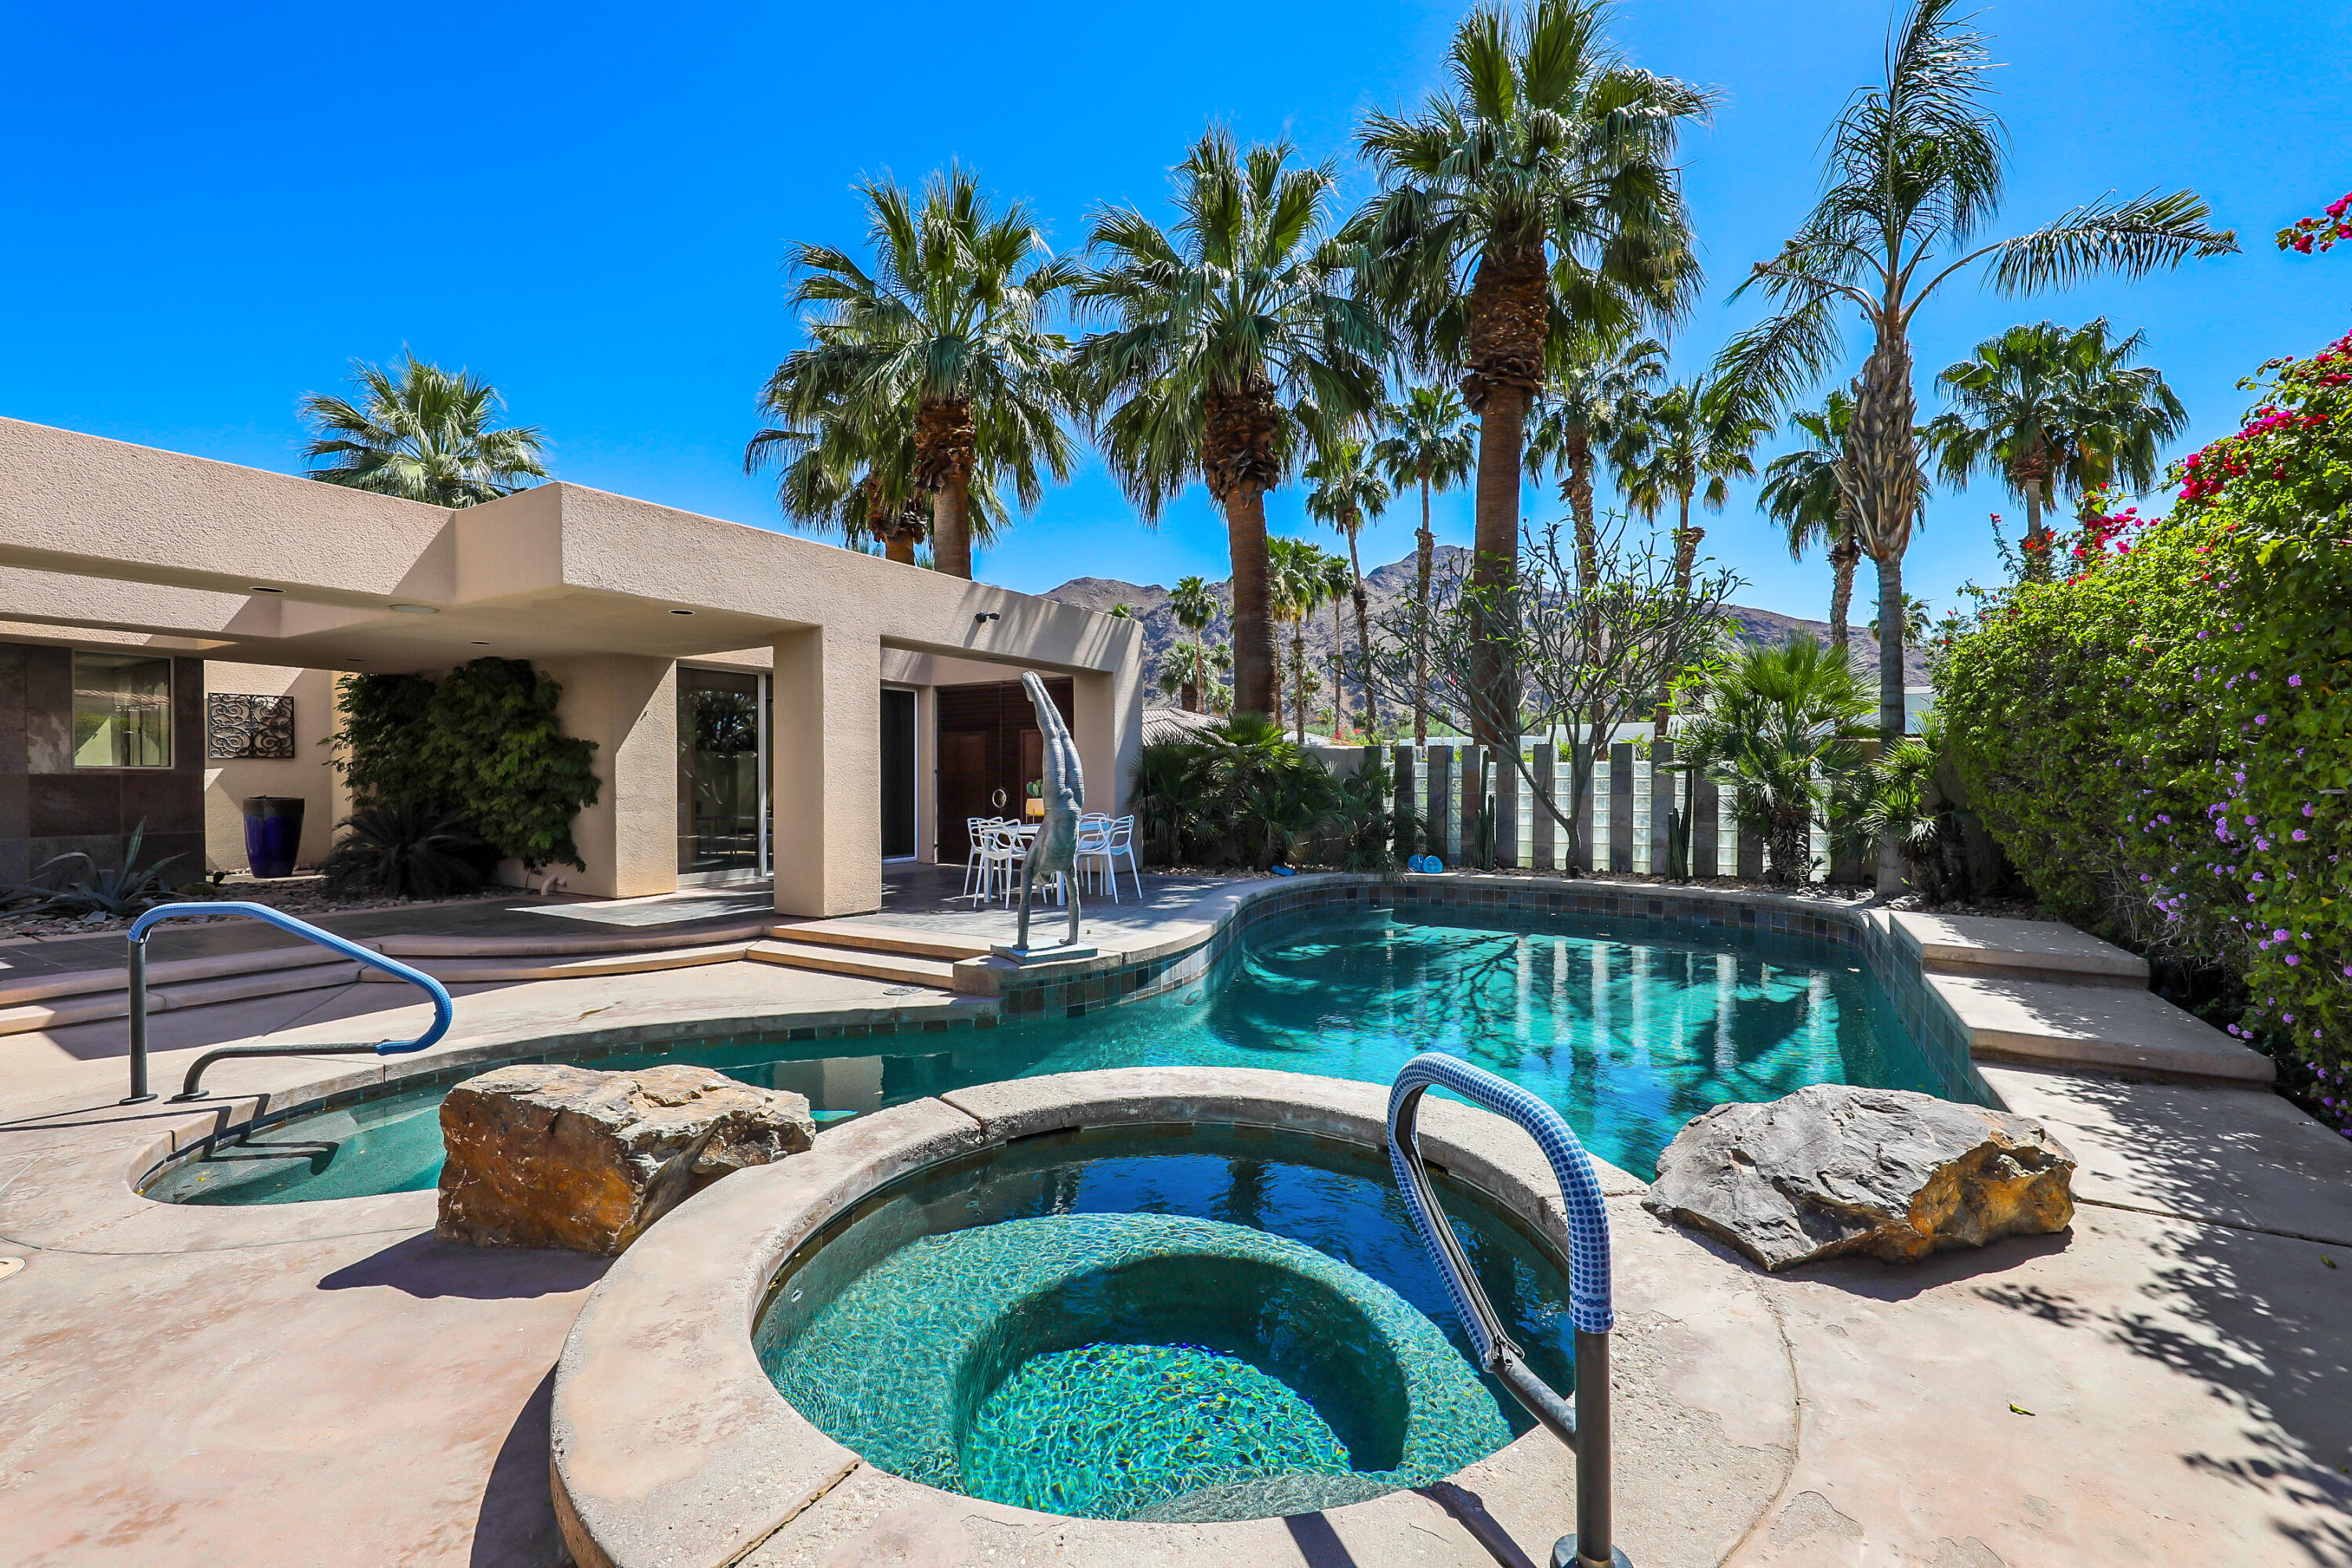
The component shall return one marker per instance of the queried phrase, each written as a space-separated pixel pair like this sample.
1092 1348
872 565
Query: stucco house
147 596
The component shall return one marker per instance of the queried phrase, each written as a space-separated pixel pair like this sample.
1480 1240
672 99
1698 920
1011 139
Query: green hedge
482 742
2162 741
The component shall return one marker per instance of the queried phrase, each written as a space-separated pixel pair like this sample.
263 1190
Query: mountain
1386 584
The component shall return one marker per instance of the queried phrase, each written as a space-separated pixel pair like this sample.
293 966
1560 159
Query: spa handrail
1585 1426
443 1009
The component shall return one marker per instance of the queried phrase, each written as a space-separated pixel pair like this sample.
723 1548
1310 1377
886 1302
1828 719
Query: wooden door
964 785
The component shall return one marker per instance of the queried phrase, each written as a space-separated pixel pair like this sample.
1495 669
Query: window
121 711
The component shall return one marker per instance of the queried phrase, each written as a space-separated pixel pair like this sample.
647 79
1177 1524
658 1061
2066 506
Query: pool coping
1979 1006
672 1448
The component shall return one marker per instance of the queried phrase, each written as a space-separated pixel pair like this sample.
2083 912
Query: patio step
882 939
494 970
2058 1021
597 944
171 972
94 1007
905 968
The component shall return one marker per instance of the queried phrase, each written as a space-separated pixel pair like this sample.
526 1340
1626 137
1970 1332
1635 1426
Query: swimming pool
1629 1028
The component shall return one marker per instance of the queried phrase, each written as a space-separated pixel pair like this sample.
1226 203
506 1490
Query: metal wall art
237 727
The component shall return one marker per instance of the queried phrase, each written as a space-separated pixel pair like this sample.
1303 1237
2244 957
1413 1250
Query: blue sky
210 210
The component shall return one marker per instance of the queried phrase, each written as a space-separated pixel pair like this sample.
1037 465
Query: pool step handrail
443 1011
1584 1426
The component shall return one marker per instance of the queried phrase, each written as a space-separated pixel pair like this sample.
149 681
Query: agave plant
82 887
408 849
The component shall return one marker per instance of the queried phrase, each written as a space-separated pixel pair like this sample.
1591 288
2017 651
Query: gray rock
545 1155
1832 1170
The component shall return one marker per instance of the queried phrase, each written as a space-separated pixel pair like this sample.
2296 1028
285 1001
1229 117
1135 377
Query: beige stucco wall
306 776
628 706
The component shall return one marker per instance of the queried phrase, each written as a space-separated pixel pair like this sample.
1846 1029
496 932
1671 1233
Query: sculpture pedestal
1055 954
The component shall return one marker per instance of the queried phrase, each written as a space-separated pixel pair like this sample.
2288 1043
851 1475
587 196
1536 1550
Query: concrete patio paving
328 1383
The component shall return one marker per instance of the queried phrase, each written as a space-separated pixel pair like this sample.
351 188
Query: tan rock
1832 1170
551 1156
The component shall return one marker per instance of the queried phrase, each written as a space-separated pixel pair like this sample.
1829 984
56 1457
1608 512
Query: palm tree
944 329
1688 441
1220 322
1777 727
1340 583
1199 677
851 475
1537 188
2041 404
1598 386
1429 444
1296 583
1347 484
1194 608
1801 493
1914 172
420 434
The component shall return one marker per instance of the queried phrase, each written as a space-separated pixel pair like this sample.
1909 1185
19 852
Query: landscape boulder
1832 1170
551 1156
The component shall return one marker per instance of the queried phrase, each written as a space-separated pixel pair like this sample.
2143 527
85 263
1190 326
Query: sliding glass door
722 735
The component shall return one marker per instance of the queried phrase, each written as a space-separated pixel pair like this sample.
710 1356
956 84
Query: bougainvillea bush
2162 740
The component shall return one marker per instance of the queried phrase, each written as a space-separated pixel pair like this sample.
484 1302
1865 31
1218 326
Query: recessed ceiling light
415 610
681 612
257 588
481 645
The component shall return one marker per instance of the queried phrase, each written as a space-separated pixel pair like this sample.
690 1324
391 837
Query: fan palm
1689 441
420 434
1777 727
1801 493
1600 384
1914 172
852 475
944 333
1537 187
1197 676
1295 582
2041 405
1340 583
1219 324
1194 608
1348 486
1431 442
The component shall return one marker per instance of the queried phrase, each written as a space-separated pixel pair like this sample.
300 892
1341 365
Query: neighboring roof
1174 724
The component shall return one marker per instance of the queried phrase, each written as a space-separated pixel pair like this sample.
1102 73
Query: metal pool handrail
443 1009
1585 1427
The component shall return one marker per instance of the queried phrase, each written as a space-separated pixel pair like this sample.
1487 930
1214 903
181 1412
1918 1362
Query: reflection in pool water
1629 1028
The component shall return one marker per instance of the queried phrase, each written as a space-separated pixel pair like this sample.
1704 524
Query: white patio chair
974 884
1094 845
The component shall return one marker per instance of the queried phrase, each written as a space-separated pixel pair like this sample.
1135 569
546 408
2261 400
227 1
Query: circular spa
1122 1299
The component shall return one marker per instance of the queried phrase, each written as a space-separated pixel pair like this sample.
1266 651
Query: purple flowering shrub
2162 741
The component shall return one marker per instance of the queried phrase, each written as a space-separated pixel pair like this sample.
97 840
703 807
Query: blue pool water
1628 1027
1167 1323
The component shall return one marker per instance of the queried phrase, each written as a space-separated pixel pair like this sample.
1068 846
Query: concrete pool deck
327 1382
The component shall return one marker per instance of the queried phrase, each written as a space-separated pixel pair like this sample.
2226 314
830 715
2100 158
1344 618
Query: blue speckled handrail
443 1010
1586 1426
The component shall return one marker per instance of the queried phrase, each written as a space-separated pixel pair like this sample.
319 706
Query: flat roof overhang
128 544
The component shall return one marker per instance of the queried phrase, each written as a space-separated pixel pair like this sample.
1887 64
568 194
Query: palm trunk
2037 539
1494 568
1368 707
1891 718
1256 679
1425 547
1199 686
951 528
1686 540
1339 654
1576 488
1298 675
1843 554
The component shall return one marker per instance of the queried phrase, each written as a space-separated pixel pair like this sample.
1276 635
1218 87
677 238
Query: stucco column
826 752
1107 725
628 706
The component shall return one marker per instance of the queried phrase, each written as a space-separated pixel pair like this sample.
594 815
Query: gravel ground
304 904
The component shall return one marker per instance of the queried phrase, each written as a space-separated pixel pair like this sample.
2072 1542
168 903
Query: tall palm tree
1340 583
1599 382
1801 493
1348 486
1537 189
422 434
851 470
1295 581
1430 443
1220 323
1194 608
1914 174
2041 405
946 328
1689 441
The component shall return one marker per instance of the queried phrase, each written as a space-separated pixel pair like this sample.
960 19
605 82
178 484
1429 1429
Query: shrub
1778 729
481 744
2163 740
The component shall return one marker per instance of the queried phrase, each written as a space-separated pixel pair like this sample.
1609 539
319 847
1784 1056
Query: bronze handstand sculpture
1055 850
